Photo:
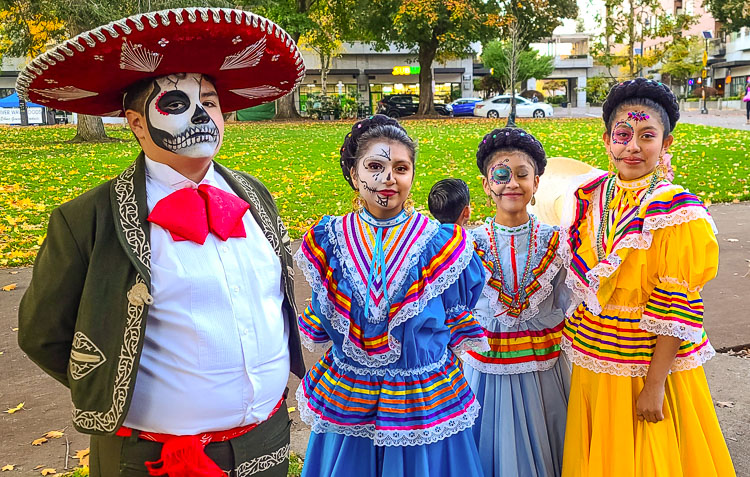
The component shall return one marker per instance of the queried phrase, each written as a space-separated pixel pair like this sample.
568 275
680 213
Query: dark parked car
398 105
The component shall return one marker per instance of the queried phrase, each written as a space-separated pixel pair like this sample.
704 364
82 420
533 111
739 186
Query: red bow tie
189 214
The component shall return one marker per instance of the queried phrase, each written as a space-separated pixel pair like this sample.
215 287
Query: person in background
449 202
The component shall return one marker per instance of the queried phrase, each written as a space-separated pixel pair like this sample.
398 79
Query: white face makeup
383 177
178 114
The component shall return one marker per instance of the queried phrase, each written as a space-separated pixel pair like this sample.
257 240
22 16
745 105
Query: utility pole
704 73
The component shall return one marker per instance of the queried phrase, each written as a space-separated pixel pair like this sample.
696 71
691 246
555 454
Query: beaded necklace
518 287
600 251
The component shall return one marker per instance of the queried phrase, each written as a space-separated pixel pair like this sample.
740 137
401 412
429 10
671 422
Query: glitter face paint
622 133
500 173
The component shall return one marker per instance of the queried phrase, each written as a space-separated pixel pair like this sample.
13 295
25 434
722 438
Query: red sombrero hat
251 60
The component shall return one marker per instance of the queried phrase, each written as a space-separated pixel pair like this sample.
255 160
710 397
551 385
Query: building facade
365 74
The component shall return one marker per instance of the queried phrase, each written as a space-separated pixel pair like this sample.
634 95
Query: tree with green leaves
733 14
682 60
527 21
71 17
530 64
627 23
324 38
434 29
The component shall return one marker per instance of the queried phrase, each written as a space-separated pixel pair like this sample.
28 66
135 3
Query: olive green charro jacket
83 318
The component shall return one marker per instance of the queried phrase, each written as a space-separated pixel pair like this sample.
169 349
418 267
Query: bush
710 92
597 89
558 99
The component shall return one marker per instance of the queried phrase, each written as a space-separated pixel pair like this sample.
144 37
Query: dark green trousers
262 452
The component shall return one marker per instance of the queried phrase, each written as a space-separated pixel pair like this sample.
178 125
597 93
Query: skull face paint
176 117
383 176
500 174
622 133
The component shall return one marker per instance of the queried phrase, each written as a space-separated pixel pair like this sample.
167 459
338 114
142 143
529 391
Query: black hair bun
351 141
642 88
511 138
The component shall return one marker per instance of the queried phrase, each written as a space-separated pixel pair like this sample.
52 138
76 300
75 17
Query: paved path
48 407
726 118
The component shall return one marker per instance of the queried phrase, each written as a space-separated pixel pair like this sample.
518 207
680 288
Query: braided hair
511 140
378 127
642 92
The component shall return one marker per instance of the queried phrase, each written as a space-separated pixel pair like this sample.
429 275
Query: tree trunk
90 129
286 107
325 63
427 53
631 39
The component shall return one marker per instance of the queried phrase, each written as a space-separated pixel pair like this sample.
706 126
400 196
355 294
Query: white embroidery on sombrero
138 58
64 93
246 58
258 92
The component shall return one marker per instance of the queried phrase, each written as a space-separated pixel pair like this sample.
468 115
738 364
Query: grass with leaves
299 162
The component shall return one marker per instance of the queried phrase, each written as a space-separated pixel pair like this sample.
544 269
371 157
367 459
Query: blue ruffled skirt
336 455
520 430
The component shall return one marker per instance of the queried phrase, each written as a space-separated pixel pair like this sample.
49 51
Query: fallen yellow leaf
14 329
10 287
38 467
291 409
8 467
12 410
48 471
38 442
54 434
82 453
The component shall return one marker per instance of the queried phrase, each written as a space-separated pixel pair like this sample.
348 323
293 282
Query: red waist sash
185 456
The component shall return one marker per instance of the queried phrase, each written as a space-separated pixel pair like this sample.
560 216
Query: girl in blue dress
522 383
392 298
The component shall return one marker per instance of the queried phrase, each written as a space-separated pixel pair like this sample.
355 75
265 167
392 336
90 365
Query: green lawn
299 164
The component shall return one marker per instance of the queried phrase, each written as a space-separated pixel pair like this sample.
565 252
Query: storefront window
332 89
444 92
738 85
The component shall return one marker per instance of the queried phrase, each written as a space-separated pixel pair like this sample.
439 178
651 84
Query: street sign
705 58
703 73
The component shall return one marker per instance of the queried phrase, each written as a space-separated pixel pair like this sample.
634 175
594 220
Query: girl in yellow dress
640 251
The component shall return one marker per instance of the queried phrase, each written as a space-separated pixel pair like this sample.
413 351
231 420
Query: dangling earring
357 202
611 167
533 200
661 169
409 204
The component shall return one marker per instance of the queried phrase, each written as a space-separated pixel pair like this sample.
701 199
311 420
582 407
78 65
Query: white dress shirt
215 355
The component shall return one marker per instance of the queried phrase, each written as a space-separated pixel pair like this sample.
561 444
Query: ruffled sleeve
312 258
459 299
687 257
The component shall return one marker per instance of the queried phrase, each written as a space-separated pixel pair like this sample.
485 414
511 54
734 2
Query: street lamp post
706 36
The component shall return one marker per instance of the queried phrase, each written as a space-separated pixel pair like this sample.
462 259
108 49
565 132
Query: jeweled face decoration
622 133
177 118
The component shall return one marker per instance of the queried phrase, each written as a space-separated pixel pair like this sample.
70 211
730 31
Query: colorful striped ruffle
465 331
522 351
616 344
676 312
392 407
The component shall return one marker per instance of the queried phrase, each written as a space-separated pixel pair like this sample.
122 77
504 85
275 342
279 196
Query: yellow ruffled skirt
604 437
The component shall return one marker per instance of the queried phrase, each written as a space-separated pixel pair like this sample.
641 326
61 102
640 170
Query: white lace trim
623 308
337 238
456 310
390 438
428 368
314 346
341 324
613 261
682 283
514 368
545 281
472 344
633 370
671 328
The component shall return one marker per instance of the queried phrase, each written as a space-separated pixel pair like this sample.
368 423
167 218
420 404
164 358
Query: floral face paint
177 119
500 173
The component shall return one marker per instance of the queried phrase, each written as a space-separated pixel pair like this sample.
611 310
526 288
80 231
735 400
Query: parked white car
499 107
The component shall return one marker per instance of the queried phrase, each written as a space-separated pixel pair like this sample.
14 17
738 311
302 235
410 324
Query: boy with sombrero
163 298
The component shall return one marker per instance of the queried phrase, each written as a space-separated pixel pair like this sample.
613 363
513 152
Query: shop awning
731 64
334 72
